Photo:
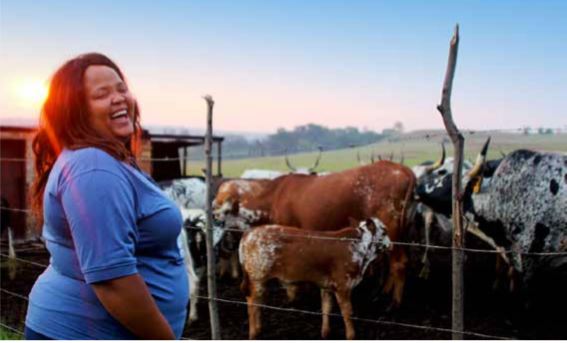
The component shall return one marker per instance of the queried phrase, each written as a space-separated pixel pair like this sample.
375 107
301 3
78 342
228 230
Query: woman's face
110 103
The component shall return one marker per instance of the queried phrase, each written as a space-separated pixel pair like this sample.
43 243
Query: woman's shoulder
88 159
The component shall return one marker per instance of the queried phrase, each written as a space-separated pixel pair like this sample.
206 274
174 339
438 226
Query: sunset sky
271 64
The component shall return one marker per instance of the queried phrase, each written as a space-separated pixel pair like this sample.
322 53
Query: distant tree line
540 130
302 138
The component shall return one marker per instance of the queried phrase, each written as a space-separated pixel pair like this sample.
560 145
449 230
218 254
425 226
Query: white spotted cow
336 264
189 195
522 208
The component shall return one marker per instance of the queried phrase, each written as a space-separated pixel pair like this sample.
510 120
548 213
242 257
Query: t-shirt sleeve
100 209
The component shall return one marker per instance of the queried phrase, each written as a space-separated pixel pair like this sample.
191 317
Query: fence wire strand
389 140
24 261
409 244
374 321
11 329
19 296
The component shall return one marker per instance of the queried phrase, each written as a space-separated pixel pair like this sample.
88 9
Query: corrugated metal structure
163 157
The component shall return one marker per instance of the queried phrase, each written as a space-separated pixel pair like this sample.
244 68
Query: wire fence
284 309
299 311
306 236
12 329
317 236
367 320
26 299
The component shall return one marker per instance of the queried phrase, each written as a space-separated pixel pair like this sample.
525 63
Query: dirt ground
426 303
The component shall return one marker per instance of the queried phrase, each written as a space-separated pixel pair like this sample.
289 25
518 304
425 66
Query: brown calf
333 260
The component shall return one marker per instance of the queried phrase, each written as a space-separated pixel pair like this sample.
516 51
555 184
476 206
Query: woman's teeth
119 114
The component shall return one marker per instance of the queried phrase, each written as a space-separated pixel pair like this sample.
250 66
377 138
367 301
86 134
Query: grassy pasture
415 148
9 335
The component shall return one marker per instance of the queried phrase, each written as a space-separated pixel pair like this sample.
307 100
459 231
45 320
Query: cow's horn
358 158
312 169
477 168
372 158
402 158
439 163
292 168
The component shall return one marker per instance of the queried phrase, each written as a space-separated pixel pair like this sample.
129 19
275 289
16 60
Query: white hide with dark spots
199 217
446 168
222 213
242 186
366 249
244 216
528 195
250 216
187 193
263 256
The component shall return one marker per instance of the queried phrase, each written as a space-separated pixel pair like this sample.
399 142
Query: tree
399 127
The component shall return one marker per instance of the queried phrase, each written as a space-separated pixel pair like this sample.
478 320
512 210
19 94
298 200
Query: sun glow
31 92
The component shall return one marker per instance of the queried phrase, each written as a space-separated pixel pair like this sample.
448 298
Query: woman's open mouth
119 115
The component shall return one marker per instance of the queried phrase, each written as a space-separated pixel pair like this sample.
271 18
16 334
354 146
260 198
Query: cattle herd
333 229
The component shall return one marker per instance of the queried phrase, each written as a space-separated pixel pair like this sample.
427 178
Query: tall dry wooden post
458 234
211 267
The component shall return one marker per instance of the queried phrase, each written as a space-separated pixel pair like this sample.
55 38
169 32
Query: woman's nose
118 98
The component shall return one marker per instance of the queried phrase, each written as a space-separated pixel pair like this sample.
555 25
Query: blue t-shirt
103 219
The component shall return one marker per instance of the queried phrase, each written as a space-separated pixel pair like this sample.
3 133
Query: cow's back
528 195
383 189
294 254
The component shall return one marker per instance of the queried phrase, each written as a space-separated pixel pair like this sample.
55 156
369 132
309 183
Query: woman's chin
124 135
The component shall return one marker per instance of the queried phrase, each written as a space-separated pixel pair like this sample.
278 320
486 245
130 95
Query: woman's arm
129 301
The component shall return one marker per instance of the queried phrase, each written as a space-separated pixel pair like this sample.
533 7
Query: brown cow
383 189
292 255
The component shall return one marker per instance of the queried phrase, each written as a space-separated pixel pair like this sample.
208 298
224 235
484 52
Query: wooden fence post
458 234
211 267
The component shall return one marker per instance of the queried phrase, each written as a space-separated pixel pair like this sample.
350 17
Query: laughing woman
115 270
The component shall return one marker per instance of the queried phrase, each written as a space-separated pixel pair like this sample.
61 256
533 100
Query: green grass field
7 335
415 150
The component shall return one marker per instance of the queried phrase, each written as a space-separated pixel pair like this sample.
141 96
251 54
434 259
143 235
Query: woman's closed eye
101 94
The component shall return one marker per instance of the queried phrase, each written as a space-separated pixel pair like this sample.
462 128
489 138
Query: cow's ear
476 184
370 225
352 222
235 208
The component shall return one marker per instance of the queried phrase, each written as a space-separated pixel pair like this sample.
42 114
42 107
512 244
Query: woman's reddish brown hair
64 123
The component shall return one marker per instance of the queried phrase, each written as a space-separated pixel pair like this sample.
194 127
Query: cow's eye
442 172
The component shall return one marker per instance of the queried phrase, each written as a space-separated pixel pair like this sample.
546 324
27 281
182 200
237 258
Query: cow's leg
234 265
194 283
343 298
223 266
397 275
194 279
254 315
424 274
291 291
326 307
